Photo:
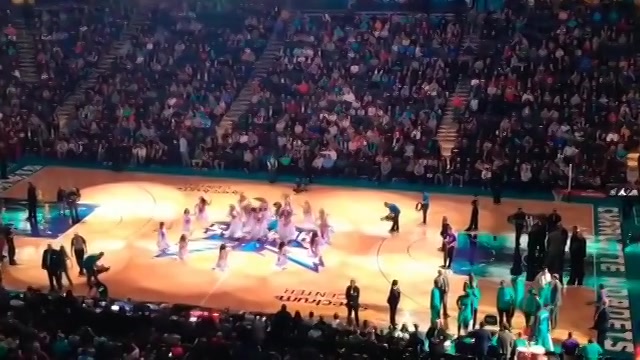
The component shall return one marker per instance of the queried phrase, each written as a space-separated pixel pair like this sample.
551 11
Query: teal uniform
474 292
435 304
591 351
506 299
543 328
465 311
518 284
545 295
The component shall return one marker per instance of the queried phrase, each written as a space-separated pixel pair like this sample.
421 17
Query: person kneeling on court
92 269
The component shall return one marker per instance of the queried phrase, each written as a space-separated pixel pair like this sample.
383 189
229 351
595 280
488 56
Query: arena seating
553 93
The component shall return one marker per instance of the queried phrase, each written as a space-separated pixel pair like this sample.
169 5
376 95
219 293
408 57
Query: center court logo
213 236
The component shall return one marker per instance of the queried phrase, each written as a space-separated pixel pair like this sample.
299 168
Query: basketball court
121 212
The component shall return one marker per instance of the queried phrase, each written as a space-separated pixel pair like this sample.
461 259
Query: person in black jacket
7 233
53 264
393 300
352 302
577 254
32 203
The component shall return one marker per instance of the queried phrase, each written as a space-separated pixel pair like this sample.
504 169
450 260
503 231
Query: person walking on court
442 283
32 203
65 264
393 300
52 264
425 207
475 214
394 215
352 297
79 249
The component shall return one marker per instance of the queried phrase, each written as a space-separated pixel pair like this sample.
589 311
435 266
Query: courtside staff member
425 207
394 214
79 249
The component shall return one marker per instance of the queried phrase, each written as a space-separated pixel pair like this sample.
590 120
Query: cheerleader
314 249
183 247
282 258
260 228
277 209
235 224
307 212
186 222
286 230
201 209
444 231
223 254
287 209
323 227
163 244
249 217
242 200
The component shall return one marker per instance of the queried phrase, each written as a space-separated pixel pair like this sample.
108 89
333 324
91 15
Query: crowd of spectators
559 88
351 95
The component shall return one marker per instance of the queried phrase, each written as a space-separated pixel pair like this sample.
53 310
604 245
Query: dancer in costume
223 254
474 291
532 305
465 310
183 247
307 213
286 204
542 329
518 284
505 303
436 301
286 230
235 224
163 244
242 200
201 209
282 259
260 228
315 248
186 222
323 227
277 209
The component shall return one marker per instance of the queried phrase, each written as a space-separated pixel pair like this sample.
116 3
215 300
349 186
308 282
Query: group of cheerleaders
255 221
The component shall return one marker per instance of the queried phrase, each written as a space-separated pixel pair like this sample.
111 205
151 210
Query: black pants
353 310
79 255
506 316
395 223
519 231
92 275
73 212
55 278
11 251
425 211
576 276
393 311
448 256
474 321
473 221
32 211
601 337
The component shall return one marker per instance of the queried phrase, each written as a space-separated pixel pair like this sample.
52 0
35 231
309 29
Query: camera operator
73 196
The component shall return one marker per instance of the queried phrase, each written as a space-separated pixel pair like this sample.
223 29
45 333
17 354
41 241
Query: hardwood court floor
130 205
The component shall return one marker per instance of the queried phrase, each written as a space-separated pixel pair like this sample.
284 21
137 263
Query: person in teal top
90 264
505 304
465 310
474 291
531 306
542 329
591 351
436 302
520 341
545 294
518 285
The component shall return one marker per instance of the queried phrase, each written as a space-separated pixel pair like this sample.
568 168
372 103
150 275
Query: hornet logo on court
213 236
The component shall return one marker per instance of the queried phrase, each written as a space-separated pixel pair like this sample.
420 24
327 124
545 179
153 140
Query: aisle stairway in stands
66 113
448 130
261 70
26 48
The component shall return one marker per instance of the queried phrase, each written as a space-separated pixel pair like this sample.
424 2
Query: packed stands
559 89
